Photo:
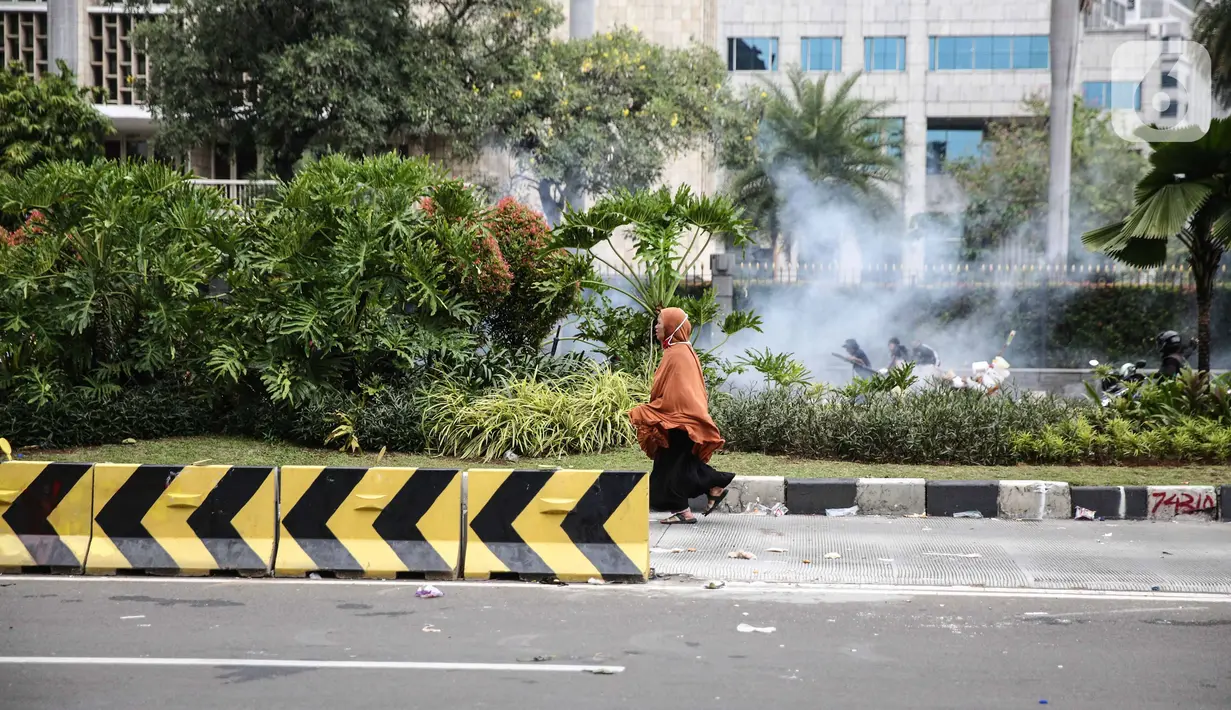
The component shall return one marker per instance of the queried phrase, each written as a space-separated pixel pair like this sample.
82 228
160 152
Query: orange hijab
678 399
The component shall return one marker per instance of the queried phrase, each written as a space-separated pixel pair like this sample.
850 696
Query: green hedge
929 427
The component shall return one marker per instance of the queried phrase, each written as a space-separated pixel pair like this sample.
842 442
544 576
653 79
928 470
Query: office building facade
944 68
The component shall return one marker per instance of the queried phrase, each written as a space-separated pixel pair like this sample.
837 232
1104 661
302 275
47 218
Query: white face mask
671 338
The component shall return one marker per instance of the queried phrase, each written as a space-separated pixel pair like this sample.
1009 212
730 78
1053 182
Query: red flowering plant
476 265
36 224
546 283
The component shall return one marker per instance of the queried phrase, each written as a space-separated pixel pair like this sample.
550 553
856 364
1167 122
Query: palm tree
1066 30
1212 30
1186 195
831 138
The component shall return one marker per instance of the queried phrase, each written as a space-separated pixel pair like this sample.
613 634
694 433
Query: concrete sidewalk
1106 556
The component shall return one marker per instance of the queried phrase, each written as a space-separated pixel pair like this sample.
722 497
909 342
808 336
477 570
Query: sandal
678 519
714 502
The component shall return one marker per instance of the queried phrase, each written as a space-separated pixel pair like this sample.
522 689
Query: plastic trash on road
842 512
428 592
777 510
968 514
741 555
749 629
1083 514
715 584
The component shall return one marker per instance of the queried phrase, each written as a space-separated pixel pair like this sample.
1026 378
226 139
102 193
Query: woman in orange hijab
675 428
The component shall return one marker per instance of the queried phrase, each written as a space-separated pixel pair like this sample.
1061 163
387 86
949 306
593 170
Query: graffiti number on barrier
1182 503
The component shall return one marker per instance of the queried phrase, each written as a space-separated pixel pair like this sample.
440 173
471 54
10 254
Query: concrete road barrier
369 522
1034 500
569 525
45 511
891 496
1171 502
182 520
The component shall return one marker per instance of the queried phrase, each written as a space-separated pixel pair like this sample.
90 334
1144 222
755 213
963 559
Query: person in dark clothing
898 353
925 355
1175 358
856 354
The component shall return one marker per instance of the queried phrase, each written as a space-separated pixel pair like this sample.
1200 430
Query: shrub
47 119
546 283
585 412
1105 440
81 418
928 427
107 285
1172 402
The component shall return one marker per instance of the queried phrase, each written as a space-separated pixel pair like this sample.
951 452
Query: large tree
47 119
834 139
1006 188
598 114
1186 196
294 77
1212 29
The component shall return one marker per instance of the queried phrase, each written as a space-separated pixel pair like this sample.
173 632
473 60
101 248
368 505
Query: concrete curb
1011 499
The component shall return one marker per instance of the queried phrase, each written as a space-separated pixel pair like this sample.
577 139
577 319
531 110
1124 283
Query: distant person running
899 354
675 428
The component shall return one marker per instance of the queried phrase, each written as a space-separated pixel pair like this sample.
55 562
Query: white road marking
343 665
678 588
1038 614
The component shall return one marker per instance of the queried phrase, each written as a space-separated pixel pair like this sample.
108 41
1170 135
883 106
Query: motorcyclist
1174 354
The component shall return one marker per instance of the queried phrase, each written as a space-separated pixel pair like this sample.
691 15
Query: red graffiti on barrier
1183 503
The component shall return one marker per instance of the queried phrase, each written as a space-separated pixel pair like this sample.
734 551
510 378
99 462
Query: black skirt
679 476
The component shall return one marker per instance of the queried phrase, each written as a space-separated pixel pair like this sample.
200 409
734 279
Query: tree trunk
1065 36
284 166
1204 262
553 209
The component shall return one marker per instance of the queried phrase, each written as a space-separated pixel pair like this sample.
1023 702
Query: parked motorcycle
1115 383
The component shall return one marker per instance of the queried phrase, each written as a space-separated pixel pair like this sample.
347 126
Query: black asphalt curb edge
813 496
948 498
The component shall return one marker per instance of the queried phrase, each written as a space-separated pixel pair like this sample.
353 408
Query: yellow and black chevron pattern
349 521
45 515
189 520
370 522
571 525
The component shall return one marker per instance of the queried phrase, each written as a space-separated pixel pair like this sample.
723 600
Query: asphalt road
669 644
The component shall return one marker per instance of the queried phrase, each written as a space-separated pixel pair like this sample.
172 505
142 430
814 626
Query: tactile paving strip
951 552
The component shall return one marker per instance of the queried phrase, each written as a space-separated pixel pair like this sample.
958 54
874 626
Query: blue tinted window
963 52
752 54
988 52
1112 95
822 54
884 54
1002 53
1039 57
983 52
951 144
